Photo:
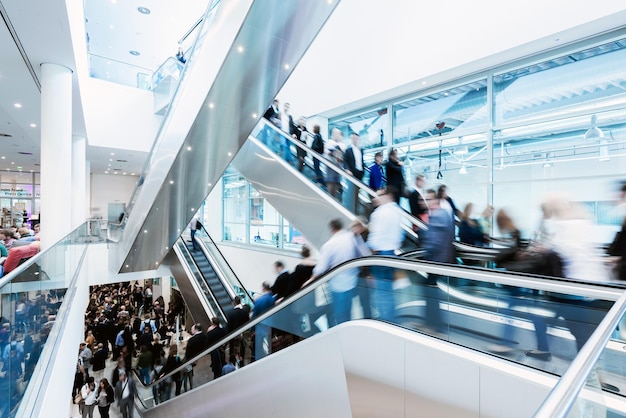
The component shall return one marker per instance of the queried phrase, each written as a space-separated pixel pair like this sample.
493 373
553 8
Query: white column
79 208
56 151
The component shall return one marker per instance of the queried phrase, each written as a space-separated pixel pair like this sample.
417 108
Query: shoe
499 349
542 355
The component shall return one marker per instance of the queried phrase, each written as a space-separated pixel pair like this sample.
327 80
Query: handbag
78 398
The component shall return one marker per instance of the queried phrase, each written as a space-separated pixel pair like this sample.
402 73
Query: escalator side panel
188 291
300 201
272 34
369 369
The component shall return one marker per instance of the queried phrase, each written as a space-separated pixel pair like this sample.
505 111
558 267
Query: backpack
318 144
198 225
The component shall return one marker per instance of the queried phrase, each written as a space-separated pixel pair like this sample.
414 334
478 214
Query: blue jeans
144 373
193 239
385 300
342 305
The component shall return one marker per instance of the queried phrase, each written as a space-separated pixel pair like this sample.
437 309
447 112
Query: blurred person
385 237
303 270
438 246
195 345
469 229
125 391
485 221
341 247
282 284
213 335
230 366
194 226
287 125
318 146
88 393
395 177
105 397
376 172
300 133
180 55
171 363
365 283
333 178
262 339
353 164
417 202
446 203
618 246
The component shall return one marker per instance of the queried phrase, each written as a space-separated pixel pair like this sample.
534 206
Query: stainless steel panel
300 201
192 297
214 110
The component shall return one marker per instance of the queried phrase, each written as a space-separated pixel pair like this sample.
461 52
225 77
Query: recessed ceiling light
111 27
188 148
112 153
132 174
109 62
211 105
286 66
171 181
12 163
17 105
254 116
135 53
3 157
33 125
240 48
143 10
123 174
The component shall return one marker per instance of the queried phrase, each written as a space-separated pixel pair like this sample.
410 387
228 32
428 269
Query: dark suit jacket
418 204
270 113
281 285
195 345
349 162
236 317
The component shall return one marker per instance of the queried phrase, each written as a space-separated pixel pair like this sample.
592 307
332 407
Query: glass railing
204 27
32 312
223 269
599 366
537 322
327 173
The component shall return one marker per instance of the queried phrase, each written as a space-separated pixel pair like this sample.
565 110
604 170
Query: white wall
109 188
118 116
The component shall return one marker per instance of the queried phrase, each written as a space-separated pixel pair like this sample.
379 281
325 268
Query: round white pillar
79 179
56 151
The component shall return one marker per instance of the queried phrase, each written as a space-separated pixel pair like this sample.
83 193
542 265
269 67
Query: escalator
464 309
206 281
268 160
245 52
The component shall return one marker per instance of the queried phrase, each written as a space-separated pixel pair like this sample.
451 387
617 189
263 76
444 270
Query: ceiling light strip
19 46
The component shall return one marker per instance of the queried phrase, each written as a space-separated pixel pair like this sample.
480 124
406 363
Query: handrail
564 286
331 165
56 333
205 233
564 394
155 144
191 29
190 274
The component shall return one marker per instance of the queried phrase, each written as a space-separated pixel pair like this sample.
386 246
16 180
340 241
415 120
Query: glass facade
513 134
250 219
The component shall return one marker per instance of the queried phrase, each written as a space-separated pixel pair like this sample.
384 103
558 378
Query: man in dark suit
213 335
236 318
353 164
419 207
125 391
281 287
195 345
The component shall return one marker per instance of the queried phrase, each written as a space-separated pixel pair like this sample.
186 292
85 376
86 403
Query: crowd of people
127 327
17 245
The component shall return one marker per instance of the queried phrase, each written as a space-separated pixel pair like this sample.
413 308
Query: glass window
370 126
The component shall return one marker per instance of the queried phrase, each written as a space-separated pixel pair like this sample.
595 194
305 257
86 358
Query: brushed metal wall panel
211 117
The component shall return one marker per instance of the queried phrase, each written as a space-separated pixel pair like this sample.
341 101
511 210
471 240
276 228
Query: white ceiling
366 48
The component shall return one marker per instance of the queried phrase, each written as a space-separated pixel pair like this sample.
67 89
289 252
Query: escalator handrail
147 164
565 392
206 234
605 291
181 243
331 165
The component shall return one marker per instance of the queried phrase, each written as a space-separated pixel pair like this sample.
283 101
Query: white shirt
385 227
340 248
284 122
358 159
